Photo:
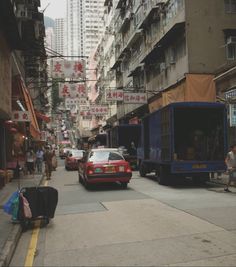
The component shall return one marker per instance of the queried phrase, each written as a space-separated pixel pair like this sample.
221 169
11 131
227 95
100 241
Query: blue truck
187 139
121 136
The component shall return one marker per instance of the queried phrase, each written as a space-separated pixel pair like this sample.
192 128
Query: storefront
226 93
5 92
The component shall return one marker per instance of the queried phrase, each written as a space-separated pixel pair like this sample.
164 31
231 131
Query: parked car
71 160
63 152
104 166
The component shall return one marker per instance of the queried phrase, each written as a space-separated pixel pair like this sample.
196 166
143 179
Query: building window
231 48
231 52
230 6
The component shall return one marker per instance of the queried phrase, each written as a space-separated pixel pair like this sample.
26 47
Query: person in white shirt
30 159
231 165
39 160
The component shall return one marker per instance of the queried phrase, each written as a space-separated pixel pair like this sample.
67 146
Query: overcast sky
56 9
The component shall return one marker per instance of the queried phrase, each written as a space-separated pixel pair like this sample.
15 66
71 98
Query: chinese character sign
84 108
114 95
68 69
99 110
94 110
64 90
135 98
72 90
71 102
21 116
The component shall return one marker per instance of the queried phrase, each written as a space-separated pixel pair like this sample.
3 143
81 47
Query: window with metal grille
230 6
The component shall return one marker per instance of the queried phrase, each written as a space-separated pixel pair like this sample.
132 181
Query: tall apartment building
94 24
105 56
50 38
60 35
75 26
172 49
84 26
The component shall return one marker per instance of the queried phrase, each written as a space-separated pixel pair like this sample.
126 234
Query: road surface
144 225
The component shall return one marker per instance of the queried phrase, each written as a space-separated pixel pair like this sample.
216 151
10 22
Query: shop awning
34 127
42 116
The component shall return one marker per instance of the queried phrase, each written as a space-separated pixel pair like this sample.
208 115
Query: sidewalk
9 232
222 180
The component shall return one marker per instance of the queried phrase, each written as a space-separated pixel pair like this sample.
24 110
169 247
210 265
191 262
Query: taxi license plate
110 169
199 166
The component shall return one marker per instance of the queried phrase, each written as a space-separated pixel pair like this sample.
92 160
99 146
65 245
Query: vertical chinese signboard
68 69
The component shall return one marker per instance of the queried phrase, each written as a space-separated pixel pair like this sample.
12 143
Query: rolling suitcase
42 202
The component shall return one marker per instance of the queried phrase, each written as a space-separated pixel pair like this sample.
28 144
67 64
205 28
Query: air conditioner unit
231 40
162 66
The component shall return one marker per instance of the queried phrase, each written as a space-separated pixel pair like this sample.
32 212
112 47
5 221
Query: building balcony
135 63
120 4
147 10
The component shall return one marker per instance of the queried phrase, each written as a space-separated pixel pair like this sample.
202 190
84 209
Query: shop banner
68 69
72 90
21 116
84 108
114 95
99 110
70 102
95 110
135 98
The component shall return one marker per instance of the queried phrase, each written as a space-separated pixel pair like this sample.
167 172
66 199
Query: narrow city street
144 225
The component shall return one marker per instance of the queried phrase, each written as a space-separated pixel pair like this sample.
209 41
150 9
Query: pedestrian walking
39 160
48 155
30 161
132 149
231 166
54 160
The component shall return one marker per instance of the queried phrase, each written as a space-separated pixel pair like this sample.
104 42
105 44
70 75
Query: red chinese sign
135 98
68 69
20 116
72 90
114 95
99 110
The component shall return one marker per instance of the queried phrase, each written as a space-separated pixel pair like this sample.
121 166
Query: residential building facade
171 49
75 26
23 76
93 24
60 36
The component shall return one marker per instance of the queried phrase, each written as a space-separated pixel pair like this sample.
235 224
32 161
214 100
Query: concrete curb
10 245
12 241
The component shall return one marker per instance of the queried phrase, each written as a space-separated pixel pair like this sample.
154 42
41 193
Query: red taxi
104 166
71 160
